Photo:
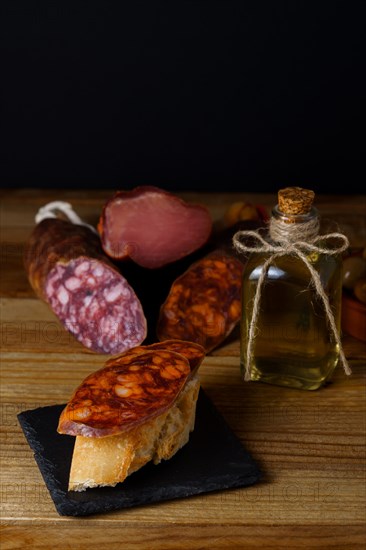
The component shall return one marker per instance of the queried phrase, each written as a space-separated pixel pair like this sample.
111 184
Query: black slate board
213 459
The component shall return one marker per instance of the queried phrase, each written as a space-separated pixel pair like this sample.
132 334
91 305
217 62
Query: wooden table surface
310 446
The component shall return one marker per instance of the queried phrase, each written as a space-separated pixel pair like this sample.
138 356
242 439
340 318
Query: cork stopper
295 200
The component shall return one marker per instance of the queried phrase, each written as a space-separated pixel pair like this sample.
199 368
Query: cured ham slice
152 227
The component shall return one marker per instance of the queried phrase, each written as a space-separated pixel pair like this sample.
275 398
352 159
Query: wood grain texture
310 445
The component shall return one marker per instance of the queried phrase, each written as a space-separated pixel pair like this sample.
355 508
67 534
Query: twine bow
297 249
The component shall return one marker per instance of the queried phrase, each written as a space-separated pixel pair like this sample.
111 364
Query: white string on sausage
50 211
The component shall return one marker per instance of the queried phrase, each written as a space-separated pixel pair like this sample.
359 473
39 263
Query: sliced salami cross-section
67 268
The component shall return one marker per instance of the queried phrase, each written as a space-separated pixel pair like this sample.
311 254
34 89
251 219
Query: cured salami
125 394
204 303
195 353
67 268
152 227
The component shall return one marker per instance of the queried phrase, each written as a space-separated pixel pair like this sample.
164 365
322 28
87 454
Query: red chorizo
204 304
125 394
68 269
195 353
152 227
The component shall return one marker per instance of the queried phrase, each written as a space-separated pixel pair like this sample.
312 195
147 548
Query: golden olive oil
293 344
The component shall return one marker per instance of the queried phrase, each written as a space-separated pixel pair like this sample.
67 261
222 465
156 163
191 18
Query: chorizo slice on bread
121 396
140 407
195 353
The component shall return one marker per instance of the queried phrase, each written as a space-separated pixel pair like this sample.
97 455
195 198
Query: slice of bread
102 461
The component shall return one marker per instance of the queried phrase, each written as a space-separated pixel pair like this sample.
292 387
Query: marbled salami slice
67 268
124 395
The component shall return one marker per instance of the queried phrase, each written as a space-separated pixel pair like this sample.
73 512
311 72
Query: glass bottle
293 345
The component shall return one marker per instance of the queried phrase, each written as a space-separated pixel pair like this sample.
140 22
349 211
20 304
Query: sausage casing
68 269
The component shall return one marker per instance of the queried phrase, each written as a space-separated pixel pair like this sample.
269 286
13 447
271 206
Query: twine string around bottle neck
297 240
51 209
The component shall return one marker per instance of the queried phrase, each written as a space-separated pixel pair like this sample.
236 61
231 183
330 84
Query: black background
187 95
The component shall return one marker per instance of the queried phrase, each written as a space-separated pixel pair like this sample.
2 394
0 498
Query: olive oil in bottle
285 325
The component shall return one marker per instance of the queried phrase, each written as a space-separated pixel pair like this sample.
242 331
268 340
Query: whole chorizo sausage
204 303
68 269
